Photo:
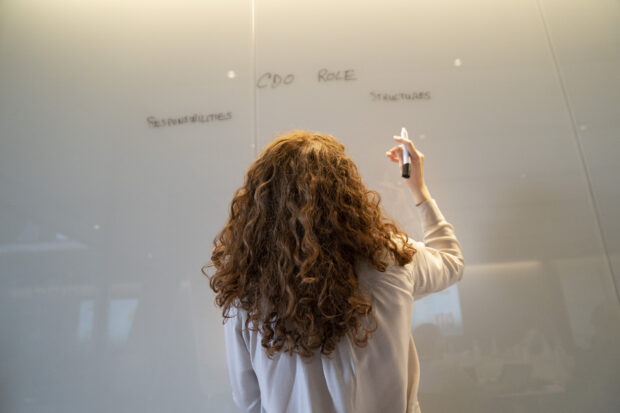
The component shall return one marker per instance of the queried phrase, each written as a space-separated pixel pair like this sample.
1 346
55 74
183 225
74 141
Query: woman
317 286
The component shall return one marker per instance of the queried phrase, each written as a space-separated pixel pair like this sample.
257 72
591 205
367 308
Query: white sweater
382 377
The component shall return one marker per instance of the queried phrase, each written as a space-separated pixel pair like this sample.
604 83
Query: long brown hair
287 254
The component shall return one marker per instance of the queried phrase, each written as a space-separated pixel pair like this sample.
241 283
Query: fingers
406 142
413 152
395 153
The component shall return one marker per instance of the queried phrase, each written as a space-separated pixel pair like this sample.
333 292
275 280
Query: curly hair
287 254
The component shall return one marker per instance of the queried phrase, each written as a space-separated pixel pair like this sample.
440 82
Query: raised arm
439 262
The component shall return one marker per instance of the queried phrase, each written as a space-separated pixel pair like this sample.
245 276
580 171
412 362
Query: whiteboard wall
126 127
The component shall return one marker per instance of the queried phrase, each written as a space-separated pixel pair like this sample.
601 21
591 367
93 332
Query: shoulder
235 319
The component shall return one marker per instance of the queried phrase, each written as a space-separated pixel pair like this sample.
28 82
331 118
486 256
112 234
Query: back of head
287 254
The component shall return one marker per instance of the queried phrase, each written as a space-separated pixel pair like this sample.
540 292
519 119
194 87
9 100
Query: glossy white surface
105 219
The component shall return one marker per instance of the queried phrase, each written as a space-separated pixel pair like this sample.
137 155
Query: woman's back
382 376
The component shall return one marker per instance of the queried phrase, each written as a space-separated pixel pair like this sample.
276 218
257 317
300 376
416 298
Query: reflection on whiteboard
120 319
86 320
442 309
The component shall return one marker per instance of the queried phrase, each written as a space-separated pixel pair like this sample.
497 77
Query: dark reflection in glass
523 350
595 382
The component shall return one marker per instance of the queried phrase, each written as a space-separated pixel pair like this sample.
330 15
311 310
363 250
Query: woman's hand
416 181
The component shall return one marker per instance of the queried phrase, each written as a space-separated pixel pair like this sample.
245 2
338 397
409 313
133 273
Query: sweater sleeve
245 389
438 262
